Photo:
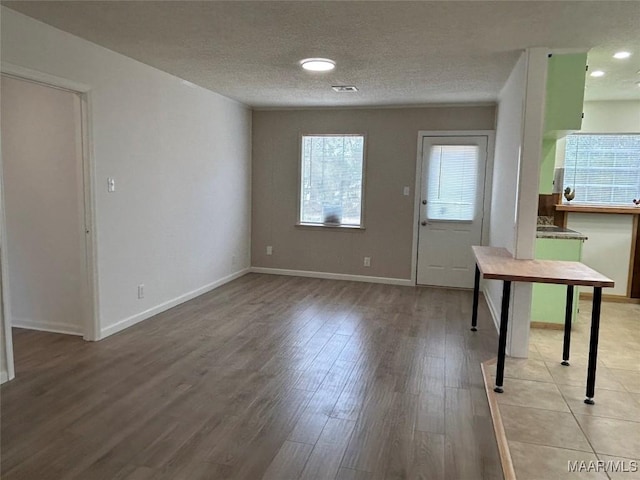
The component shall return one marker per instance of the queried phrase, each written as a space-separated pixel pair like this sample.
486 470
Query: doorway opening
47 251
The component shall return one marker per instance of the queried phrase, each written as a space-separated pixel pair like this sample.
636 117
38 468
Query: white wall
7 371
4 367
515 185
608 247
506 164
42 166
180 157
618 116
611 117
6 343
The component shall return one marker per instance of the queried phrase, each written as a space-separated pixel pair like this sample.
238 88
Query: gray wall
391 151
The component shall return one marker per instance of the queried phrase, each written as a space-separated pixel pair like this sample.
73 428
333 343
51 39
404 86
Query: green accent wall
549 301
547 166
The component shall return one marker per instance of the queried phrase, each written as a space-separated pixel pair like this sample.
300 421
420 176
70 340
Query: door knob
424 202
423 223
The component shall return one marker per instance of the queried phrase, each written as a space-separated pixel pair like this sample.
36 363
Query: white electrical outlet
111 185
367 261
141 290
269 250
406 191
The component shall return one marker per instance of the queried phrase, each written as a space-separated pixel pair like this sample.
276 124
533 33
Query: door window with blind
603 169
331 180
452 182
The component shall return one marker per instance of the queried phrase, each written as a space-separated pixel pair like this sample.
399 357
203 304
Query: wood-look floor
266 377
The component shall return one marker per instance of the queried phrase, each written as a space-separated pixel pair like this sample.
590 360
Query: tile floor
545 420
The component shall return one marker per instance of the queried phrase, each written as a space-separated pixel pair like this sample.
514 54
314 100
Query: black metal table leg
568 313
476 292
593 345
502 342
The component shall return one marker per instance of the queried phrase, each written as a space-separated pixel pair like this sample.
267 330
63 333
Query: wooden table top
498 264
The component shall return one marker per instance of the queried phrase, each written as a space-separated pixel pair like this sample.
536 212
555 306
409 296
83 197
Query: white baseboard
4 376
334 276
53 327
139 317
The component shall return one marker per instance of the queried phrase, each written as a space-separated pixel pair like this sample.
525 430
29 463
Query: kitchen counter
552 231
616 210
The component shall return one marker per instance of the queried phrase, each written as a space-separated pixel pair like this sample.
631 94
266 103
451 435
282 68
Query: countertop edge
561 236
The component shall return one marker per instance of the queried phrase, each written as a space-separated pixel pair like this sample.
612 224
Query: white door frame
7 348
490 134
90 295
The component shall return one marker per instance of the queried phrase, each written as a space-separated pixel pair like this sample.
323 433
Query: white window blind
331 180
453 180
603 169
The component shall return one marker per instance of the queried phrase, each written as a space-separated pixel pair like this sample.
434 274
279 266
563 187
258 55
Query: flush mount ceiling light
318 64
597 73
621 55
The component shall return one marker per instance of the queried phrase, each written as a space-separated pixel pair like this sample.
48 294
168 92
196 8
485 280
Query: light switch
111 185
406 191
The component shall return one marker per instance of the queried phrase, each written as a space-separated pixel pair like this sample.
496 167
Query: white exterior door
451 209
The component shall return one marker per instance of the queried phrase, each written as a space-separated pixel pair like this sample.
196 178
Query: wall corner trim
334 276
139 317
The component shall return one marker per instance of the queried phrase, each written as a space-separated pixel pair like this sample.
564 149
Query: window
453 178
331 180
603 169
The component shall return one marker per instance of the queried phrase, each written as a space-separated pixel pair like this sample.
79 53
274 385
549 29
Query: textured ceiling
396 53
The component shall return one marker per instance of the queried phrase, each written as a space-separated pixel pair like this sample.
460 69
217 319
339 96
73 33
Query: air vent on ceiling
345 88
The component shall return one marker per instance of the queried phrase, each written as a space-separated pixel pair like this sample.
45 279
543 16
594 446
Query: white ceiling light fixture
318 64
344 88
621 55
597 73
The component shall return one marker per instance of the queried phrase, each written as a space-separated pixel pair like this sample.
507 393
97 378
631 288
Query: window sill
329 226
586 208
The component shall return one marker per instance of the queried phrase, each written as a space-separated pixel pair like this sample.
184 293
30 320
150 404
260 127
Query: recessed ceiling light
318 64
597 73
621 55
345 88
